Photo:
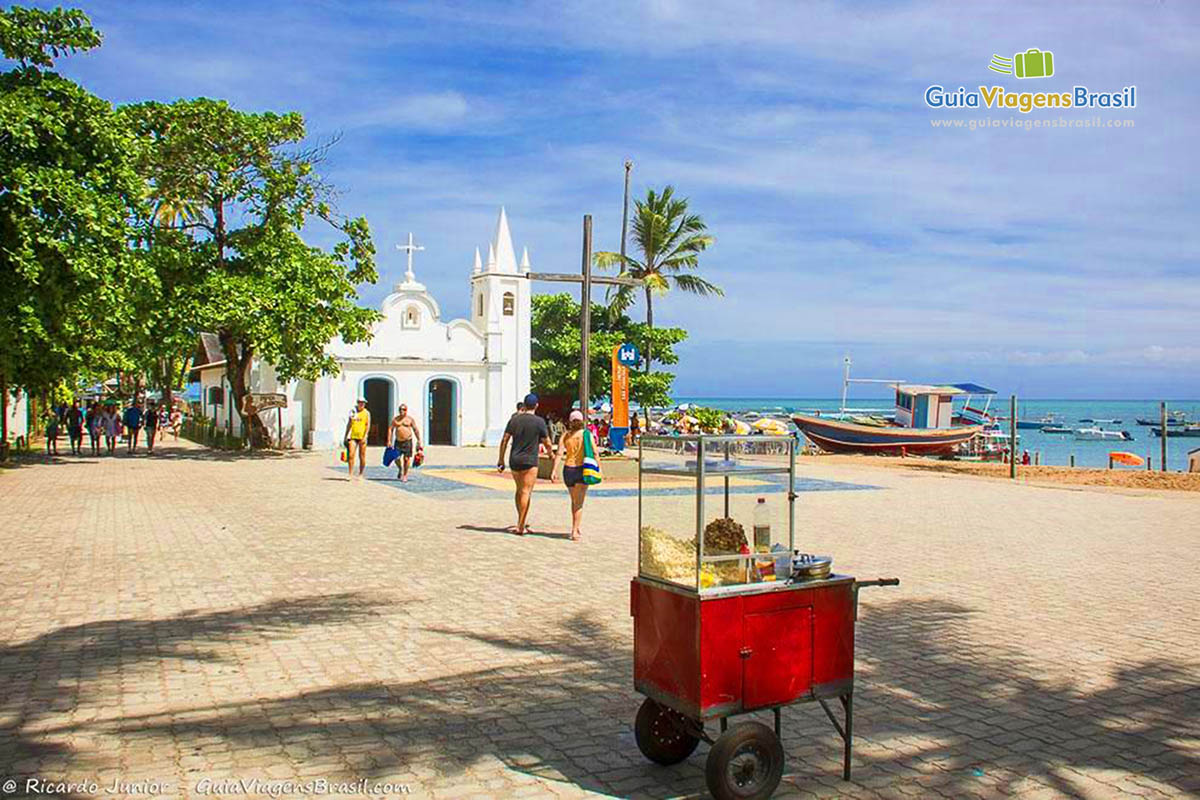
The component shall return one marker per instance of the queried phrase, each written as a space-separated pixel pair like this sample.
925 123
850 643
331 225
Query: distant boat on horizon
1190 430
1174 418
1100 435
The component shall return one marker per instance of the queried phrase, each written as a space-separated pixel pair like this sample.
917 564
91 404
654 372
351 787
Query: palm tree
171 212
670 240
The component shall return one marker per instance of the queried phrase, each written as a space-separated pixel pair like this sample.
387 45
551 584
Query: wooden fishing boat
848 437
923 423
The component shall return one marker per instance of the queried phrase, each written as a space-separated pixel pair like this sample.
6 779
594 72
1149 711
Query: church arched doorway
378 392
443 411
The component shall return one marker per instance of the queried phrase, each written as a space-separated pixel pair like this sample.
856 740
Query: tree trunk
3 416
168 383
649 324
237 368
185 366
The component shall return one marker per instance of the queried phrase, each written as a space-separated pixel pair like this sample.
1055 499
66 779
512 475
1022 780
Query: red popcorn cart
728 622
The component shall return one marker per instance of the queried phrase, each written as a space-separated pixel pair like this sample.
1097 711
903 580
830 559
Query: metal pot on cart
724 626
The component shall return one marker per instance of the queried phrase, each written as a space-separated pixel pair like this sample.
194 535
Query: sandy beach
1119 477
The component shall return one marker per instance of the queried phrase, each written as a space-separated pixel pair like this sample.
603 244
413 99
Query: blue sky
1048 262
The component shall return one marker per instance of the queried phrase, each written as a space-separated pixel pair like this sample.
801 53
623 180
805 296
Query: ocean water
1054 449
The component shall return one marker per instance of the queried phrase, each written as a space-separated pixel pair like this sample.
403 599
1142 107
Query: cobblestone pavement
194 619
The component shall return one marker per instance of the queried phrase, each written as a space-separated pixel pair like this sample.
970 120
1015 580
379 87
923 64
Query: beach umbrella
1122 457
772 427
740 427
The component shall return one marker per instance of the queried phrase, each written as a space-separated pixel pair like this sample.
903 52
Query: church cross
410 248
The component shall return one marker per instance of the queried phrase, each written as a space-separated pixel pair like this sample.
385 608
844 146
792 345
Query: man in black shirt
526 431
75 428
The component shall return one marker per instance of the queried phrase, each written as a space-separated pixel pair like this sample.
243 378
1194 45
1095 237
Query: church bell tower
501 309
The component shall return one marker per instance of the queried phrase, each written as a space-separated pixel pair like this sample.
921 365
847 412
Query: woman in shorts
570 451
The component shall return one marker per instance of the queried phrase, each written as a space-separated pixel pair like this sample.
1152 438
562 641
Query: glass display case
716 514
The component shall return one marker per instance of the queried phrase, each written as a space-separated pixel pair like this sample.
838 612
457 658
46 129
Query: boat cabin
920 406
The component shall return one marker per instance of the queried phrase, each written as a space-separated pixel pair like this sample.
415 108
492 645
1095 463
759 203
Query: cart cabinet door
778 653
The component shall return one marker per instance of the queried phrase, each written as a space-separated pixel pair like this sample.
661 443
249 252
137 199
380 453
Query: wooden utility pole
1162 459
585 320
625 211
1012 438
625 235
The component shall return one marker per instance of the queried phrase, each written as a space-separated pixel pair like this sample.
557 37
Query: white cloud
438 111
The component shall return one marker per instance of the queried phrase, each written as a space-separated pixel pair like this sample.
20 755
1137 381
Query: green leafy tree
34 37
68 191
164 339
555 350
241 188
670 240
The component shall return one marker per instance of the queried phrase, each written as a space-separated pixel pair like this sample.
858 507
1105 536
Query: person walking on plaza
91 421
635 428
74 417
108 423
527 432
50 419
132 419
175 421
356 437
557 429
150 420
570 452
403 431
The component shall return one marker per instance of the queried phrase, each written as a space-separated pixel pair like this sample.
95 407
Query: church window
216 395
412 317
509 304
480 312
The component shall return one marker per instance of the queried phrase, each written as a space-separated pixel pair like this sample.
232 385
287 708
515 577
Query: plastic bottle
762 526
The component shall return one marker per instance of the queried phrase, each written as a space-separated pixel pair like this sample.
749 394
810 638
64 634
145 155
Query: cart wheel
745 763
662 735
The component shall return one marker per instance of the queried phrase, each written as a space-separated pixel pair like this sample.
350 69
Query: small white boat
1101 435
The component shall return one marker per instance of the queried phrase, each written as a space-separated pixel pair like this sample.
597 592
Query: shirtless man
404 430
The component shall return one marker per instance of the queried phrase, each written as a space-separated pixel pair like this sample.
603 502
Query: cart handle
879 582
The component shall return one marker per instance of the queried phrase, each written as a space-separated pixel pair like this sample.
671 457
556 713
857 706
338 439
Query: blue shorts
572 476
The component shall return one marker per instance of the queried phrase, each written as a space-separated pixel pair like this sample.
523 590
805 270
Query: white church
461 378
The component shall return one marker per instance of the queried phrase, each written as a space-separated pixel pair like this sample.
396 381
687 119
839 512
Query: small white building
1194 460
461 379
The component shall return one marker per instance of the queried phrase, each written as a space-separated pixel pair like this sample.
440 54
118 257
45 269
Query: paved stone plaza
183 621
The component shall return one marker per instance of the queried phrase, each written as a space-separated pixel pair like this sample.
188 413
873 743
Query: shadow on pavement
512 532
936 710
46 678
